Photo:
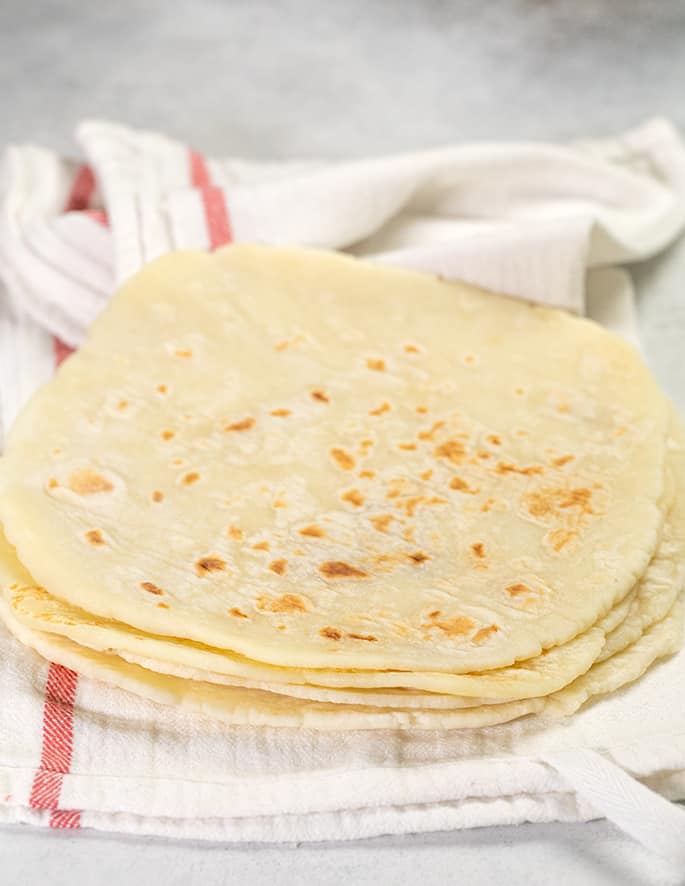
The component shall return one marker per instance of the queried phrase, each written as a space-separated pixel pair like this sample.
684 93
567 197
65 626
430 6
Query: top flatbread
320 463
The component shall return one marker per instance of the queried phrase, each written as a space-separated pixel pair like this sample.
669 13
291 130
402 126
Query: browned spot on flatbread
312 531
161 605
190 478
88 482
162 389
367 475
381 523
503 468
407 447
461 485
354 497
368 637
408 533
342 458
458 626
548 502
320 396
261 546
280 503
429 434
122 404
151 588
399 485
206 565
478 549
494 439
418 557
285 603
562 460
487 505
559 538
288 343
168 435
52 483
235 532
365 444
278 566
518 589
245 424
157 496
482 635
453 450
518 392
411 349
578 498
95 537
386 562
280 413
340 569
410 504
563 407
379 410
375 364
427 474
422 410
237 613
484 454
184 352
469 359
331 633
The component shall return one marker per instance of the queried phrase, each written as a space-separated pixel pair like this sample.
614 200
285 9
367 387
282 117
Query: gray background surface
307 78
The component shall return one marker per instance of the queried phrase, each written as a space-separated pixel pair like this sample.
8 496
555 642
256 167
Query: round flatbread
239 706
649 602
318 463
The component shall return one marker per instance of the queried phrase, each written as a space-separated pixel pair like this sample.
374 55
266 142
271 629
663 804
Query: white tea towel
76 753
55 254
625 197
525 219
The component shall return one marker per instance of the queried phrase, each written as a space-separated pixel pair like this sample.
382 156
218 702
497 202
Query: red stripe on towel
98 215
57 747
62 351
60 687
81 190
199 173
217 217
65 818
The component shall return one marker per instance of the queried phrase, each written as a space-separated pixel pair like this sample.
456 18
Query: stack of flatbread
285 487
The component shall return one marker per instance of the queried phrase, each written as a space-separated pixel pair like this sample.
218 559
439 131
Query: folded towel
525 219
541 222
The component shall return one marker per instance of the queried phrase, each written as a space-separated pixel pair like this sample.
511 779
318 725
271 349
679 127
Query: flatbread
651 600
238 706
317 463
36 608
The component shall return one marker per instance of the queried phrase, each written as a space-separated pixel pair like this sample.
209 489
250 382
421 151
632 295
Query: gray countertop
304 78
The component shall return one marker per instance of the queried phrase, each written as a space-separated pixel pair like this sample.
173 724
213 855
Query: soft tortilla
524 501
239 706
649 603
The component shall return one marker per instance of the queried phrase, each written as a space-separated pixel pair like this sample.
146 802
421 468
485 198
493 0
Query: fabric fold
546 223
